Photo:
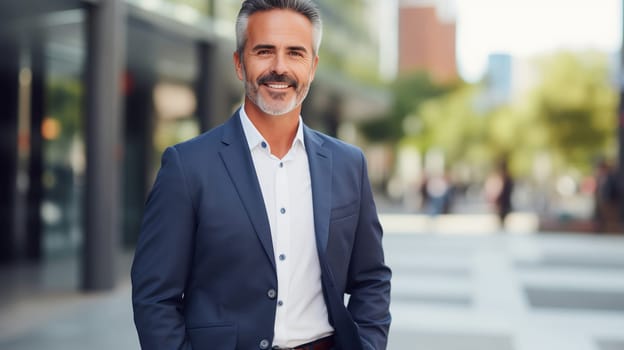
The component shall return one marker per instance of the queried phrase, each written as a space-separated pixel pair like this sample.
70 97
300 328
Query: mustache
277 78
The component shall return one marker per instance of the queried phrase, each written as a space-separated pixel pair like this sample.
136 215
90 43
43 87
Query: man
254 232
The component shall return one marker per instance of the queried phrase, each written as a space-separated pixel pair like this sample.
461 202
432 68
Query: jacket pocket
345 211
213 337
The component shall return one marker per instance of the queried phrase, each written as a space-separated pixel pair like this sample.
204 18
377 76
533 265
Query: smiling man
255 231
276 68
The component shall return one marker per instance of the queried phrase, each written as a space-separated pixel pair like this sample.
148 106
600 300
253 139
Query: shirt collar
253 136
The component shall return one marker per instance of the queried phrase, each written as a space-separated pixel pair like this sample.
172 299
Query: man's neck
278 131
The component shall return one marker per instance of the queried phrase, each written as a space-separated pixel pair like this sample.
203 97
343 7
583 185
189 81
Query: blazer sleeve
163 255
369 277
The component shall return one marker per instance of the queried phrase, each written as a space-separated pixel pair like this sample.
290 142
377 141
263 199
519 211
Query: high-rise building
499 78
427 32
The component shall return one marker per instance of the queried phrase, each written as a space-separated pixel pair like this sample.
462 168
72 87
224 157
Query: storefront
93 92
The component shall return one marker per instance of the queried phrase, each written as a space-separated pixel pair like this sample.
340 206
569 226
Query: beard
277 103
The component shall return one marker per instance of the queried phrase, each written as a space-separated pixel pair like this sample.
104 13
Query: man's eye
295 54
263 52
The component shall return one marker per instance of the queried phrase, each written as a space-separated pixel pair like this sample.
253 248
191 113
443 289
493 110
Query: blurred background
493 131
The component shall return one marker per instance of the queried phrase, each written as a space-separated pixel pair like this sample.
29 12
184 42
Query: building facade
93 91
427 33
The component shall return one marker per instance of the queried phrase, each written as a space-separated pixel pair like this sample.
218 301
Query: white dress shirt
301 313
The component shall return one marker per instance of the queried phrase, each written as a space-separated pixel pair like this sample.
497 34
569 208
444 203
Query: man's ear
314 66
238 64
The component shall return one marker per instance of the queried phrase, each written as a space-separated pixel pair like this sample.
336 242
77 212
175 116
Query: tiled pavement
478 291
507 291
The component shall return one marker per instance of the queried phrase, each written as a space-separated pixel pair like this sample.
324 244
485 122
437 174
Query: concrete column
106 25
33 242
205 89
9 71
139 133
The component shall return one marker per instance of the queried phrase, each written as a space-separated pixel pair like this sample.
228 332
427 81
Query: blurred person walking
607 196
254 231
498 191
438 191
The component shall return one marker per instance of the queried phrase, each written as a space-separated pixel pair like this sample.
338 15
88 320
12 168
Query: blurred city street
454 288
507 292
495 150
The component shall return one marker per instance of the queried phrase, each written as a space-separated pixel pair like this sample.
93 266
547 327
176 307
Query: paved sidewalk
507 292
478 290
73 322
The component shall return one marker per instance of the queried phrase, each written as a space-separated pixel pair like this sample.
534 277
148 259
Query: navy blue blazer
204 276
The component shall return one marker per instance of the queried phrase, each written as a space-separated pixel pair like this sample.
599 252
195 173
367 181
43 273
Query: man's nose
279 64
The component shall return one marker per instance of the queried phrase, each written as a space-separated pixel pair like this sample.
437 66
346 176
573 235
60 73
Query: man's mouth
278 86
277 82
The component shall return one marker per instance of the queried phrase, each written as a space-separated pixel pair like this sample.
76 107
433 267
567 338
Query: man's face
278 62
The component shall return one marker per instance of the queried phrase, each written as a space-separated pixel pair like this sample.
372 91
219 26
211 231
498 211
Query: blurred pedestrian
439 193
606 198
254 231
498 191
424 193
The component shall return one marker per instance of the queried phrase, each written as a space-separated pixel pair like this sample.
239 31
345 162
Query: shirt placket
282 251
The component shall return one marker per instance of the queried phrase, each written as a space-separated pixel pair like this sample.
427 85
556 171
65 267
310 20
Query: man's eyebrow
297 48
272 47
263 47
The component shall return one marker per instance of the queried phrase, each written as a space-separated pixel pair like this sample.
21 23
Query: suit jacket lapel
237 159
320 161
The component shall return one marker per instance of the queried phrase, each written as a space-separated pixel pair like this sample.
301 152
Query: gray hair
306 8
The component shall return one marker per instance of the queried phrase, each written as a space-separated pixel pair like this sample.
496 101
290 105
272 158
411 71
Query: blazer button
271 293
264 344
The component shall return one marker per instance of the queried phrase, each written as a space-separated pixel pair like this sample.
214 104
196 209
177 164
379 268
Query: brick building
427 34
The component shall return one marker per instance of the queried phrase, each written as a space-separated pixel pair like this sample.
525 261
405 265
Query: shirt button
271 293
264 344
283 210
280 303
282 257
281 164
263 144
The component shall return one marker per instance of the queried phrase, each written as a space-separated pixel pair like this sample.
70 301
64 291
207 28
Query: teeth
278 86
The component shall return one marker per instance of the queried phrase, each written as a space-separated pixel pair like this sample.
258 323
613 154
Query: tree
576 105
409 93
450 123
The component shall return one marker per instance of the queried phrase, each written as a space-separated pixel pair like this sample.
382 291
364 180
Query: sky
530 27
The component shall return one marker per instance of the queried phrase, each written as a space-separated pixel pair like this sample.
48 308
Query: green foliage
450 123
576 106
409 93
202 6
570 114
64 101
349 45
512 133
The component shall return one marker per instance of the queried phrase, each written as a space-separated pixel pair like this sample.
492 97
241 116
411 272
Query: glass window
62 133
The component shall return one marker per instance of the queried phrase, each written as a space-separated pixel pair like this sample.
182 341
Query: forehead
280 27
